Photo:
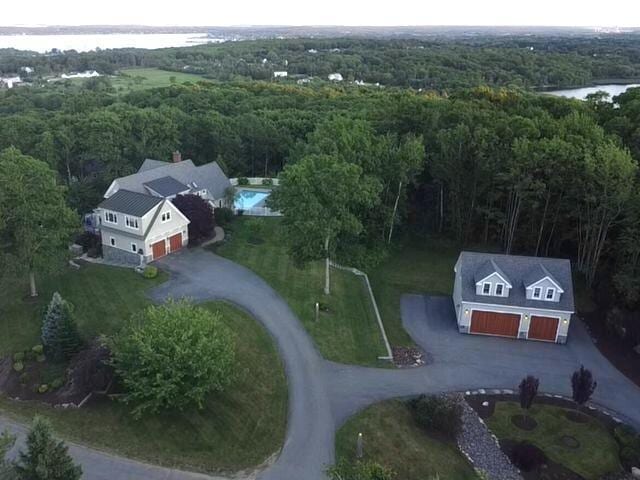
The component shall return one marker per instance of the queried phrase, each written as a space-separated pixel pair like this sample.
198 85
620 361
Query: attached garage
543 328
159 249
175 242
494 323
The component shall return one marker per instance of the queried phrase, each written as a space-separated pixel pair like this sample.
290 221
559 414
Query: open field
392 438
347 330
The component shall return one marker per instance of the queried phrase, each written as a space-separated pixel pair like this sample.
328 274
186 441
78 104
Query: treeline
439 63
521 172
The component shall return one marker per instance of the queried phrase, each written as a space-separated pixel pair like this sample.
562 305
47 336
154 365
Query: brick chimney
177 157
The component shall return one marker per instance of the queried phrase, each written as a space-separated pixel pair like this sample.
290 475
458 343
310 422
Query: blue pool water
246 199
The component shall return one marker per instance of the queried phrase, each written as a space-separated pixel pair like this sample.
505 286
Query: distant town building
312 50
303 81
9 82
27 69
335 77
85 74
280 74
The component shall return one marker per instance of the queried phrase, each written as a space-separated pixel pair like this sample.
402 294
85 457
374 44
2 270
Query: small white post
359 447
317 311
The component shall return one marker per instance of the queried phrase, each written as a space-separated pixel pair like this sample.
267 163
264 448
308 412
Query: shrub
267 181
89 241
60 336
150 272
200 347
223 216
629 442
37 349
40 358
57 383
243 181
43 388
528 390
441 414
360 471
527 457
583 385
45 457
18 356
18 366
200 215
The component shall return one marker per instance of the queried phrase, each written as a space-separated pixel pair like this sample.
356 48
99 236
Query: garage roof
130 203
521 271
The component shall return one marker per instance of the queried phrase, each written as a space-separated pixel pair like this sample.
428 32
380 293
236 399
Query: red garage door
493 323
158 249
175 242
543 328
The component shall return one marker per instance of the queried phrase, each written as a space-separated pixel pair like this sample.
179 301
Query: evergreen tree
60 336
46 458
583 385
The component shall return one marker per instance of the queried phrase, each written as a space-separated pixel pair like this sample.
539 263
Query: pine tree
60 336
46 458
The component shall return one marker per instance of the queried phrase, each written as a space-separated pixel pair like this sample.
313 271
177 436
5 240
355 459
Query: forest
437 63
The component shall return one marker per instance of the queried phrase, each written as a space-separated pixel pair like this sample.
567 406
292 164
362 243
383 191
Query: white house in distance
280 74
513 296
138 222
335 77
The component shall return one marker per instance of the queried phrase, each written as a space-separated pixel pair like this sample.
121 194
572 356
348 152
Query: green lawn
142 78
348 332
598 451
392 438
102 296
236 430
420 266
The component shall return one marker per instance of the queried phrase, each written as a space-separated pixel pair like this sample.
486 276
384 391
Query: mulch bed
549 471
524 422
570 442
409 357
618 352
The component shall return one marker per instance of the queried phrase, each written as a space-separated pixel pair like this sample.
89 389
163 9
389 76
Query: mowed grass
102 296
238 429
598 452
131 79
422 266
348 332
393 439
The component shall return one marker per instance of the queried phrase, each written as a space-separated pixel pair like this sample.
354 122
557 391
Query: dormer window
131 222
551 293
499 289
110 217
166 216
486 288
537 292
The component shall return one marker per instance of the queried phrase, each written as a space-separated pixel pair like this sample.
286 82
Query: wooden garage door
493 323
158 249
543 328
175 242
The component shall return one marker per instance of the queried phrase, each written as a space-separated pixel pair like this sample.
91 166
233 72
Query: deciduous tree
200 215
583 385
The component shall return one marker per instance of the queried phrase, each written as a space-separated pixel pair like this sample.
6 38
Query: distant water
86 43
581 93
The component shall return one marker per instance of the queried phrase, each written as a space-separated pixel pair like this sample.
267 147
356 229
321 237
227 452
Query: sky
621 13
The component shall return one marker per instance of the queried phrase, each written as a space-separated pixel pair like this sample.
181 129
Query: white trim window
110 217
499 289
551 294
134 247
112 240
486 288
537 293
131 222
166 216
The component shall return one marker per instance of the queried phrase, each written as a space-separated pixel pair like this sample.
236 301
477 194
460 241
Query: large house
513 296
138 222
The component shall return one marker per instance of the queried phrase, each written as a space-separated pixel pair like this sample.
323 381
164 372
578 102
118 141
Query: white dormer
546 290
491 281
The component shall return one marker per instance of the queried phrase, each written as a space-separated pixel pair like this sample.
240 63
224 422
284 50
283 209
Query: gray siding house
513 296
138 222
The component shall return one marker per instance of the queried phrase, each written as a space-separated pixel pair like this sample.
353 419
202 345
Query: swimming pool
249 198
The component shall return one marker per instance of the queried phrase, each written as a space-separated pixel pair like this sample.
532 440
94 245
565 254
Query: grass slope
420 266
131 79
237 429
348 332
102 296
392 438
598 451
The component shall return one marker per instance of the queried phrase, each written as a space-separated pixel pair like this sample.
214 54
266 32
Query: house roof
521 271
130 203
487 269
209 176
166 186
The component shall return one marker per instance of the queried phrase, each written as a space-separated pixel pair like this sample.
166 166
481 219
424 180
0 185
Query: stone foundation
120 257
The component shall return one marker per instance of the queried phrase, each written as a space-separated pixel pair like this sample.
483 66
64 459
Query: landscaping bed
572 450
347 330
392 438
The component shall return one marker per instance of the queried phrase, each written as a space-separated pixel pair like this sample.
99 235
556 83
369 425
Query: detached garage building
513 296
